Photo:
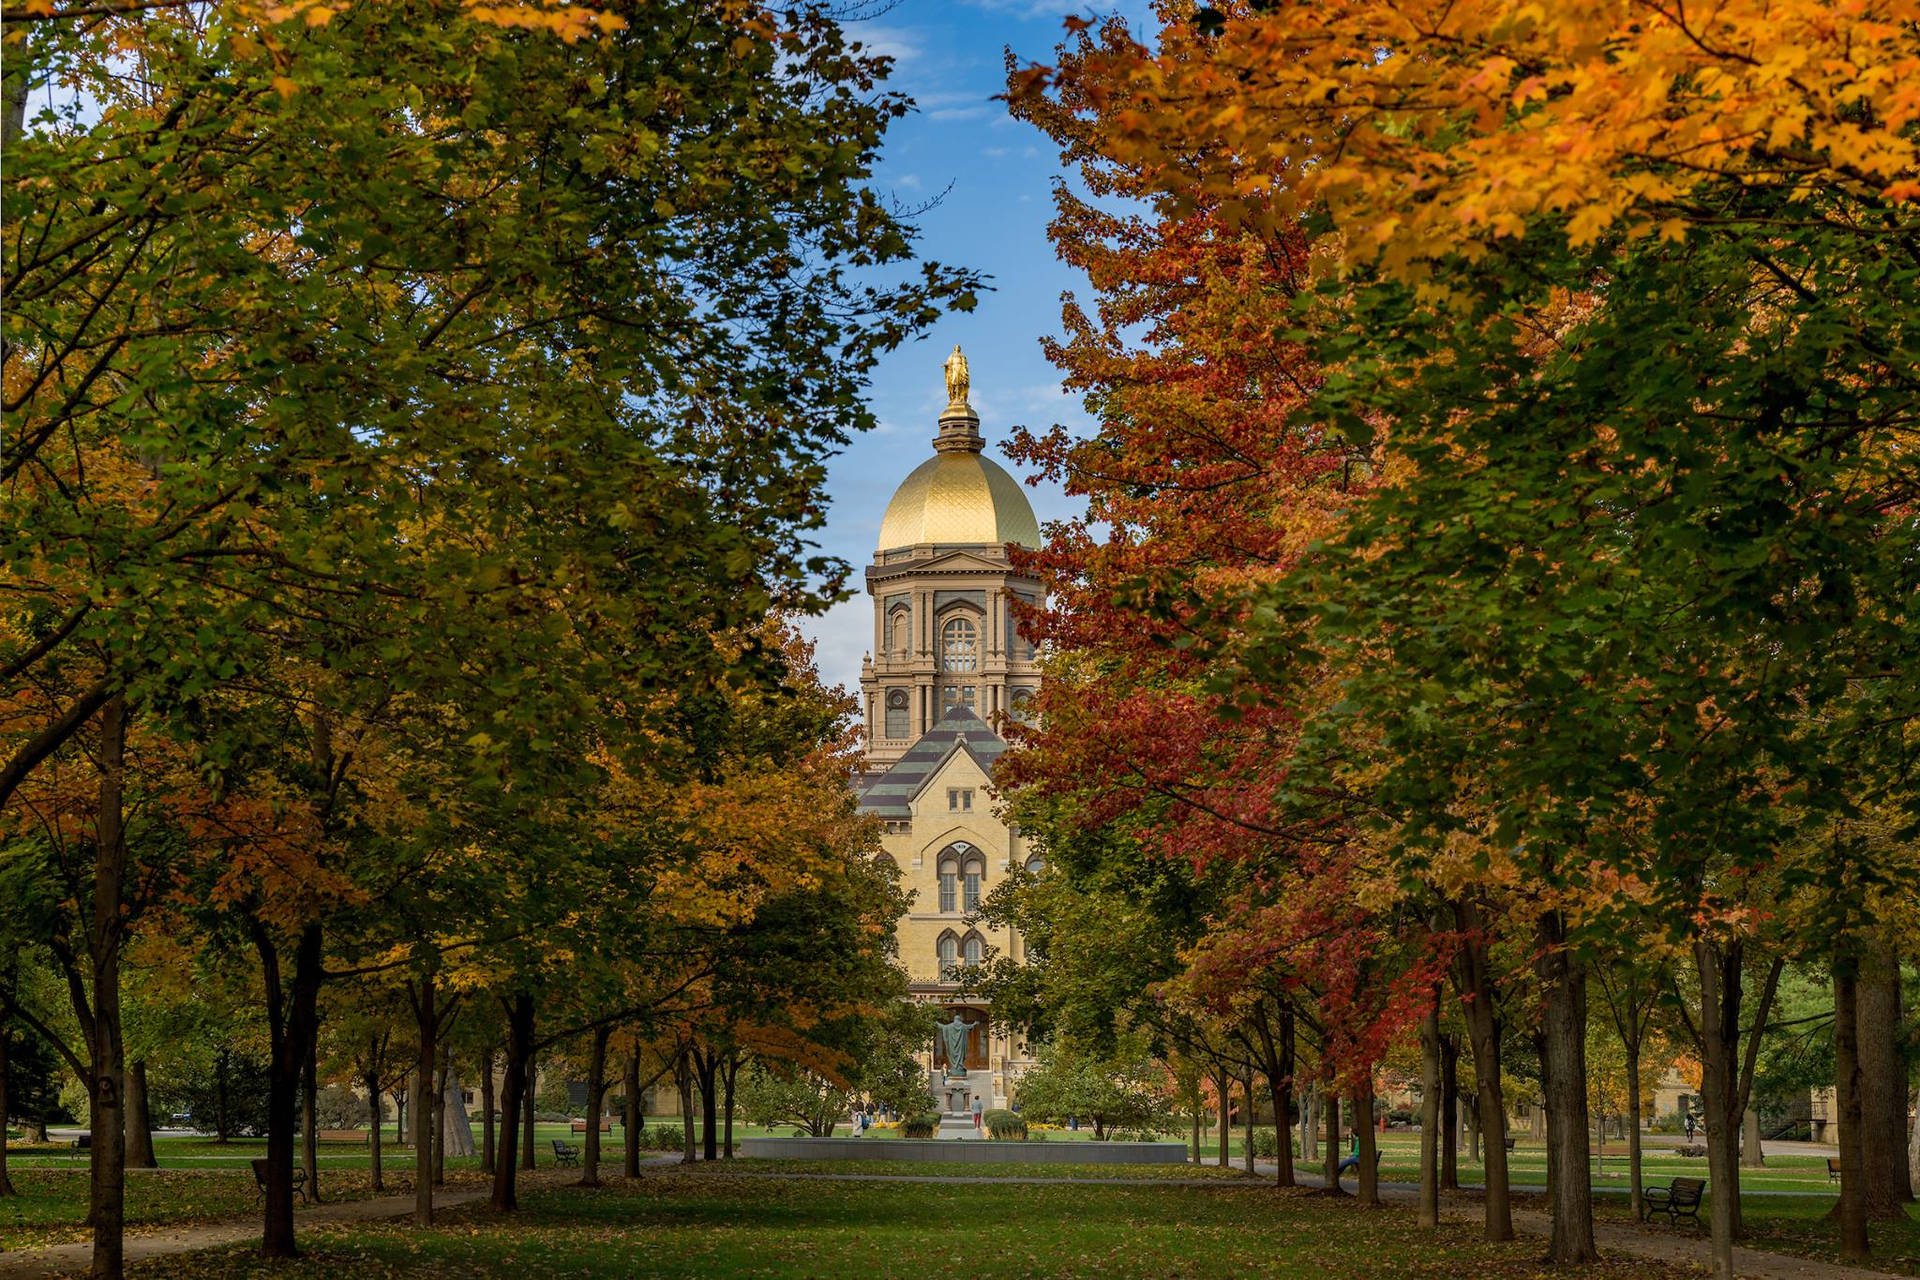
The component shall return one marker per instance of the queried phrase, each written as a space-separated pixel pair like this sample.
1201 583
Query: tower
948 663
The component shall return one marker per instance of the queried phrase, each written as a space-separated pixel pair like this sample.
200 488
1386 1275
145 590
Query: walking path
65 1259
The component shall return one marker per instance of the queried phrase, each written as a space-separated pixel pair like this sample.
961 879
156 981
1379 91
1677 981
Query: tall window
899 624
949 951
959 645
949 882
897 713
956 695
971 875
972 950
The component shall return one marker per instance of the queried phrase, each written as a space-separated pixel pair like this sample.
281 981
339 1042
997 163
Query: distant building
948 662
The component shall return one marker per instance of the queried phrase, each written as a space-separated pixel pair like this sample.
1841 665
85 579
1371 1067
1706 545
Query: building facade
948 664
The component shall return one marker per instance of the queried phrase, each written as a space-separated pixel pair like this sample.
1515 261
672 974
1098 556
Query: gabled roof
890 794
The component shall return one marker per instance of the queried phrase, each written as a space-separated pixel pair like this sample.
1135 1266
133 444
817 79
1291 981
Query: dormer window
959 645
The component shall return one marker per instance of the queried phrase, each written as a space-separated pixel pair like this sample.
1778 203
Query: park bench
83 1142
341 1135
580 1126
1833 1168
565 1153
260 1179
1679 1199
1510 1141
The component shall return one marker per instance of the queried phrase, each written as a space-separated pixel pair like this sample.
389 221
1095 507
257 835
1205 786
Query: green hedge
924 1125
1005 1125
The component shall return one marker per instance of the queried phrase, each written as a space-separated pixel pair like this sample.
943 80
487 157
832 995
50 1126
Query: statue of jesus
954 1036
958 382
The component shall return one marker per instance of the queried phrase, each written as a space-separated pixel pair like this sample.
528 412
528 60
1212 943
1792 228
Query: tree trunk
1222 1088
708 1064
293 1021
1365 1126
6 1183
512 1089
309 1121
1564 1066
1913 1143
1719 969
635 1117
526 1113
1246 1121
1310 1125
596 1103
1449 1113
1475 981
1852 1209
1430 1109
371 1083
1751 1154
1199 1105
685 1081
486 1113
402 1118
1279 1055
1883 1081
1331 1101
426 1019
140 1119
728 1071
107 1200
443 1136
1636 1183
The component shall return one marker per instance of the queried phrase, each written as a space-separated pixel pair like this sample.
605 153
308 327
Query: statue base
957 1125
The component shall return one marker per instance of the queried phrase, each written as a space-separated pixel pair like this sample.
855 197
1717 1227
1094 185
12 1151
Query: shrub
1669 1122
924 1125
1400 1115
661 1137
1266 1145
1005 1125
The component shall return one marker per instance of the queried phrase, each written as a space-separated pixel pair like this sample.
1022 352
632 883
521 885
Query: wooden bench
1679 1199
342 1135
1833 1168
565 1154
260 1179
83 1142
580 1126
1509 1142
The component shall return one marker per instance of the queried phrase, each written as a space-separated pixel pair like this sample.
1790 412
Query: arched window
1020 705
949 951
972 950
949 882
900 627
959 645
1036 864
897 713
972 871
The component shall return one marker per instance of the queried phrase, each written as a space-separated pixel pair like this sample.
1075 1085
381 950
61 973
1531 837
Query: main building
948 664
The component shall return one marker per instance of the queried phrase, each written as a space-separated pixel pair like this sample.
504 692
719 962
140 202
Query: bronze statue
954 1037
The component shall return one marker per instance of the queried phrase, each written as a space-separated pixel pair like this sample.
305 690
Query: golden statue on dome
958 382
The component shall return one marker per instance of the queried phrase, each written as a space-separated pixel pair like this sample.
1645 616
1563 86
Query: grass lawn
712 1224
1798 1225
52 1203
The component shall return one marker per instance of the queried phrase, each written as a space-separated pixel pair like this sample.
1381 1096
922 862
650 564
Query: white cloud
842 637
901 45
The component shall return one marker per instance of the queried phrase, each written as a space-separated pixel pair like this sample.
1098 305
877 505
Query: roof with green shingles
890 794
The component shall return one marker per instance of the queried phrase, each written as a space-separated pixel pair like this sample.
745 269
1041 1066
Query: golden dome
959 497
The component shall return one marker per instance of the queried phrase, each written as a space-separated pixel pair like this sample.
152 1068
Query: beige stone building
948 664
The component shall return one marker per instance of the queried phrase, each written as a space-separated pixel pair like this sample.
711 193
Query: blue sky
996 174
